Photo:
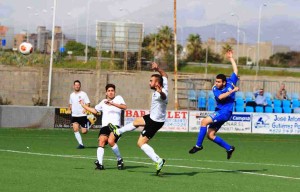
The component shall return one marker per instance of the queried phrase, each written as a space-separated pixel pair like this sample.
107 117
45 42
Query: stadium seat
248 99
259 109
201 93
268 95
249 95
286 103
295 96
201 103
211 105
269 101
287 110
277 103
249 109
268 109
295 103
277 110
192 95
239 102
211 94
297 110
239 108
239 94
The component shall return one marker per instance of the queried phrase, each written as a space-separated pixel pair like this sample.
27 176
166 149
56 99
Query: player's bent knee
111 142
140 143
102 143
138 122
210 137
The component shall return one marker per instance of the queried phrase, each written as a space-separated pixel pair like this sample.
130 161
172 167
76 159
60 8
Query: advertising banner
63 119
238 123
176 121
195 119
278 123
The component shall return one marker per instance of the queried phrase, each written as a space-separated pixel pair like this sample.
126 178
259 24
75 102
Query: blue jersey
228 102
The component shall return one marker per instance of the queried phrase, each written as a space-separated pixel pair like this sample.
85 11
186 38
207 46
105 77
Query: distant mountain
281 31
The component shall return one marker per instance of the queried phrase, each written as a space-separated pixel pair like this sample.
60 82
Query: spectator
281 93
260 99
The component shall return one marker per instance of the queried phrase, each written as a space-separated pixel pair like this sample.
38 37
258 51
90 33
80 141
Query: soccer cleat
120 164
159 166
114 129
195 149
229 153
98 166
80 147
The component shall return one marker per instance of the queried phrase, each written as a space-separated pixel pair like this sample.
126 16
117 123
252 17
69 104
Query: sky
155 13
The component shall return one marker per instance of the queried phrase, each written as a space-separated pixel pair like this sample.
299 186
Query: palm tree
165 40
226 48
194 47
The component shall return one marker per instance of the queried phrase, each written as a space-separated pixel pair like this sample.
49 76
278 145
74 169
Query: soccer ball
25 48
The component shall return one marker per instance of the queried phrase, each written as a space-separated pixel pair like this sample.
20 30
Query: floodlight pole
175 57
51 56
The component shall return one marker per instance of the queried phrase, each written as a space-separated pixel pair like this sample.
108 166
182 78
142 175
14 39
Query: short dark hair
159 78
77 81
221 76
110 86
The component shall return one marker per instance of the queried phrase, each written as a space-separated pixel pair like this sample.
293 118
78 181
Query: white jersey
159 106
111 114
75 98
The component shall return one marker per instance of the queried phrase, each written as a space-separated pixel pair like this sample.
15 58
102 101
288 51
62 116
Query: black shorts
151 127
82 121
106 131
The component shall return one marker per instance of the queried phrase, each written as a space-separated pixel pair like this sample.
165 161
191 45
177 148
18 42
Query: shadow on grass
162 174
239 171
90 147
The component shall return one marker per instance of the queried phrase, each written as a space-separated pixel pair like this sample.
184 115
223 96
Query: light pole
221 41
216 27
28 8
248 50
258 36
238 36
273 42
62 27
175 55
87 30
244 41
51 55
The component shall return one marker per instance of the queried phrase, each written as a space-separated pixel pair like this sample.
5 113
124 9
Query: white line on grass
177 166
229 162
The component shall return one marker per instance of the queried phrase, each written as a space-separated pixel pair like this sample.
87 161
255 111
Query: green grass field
47 160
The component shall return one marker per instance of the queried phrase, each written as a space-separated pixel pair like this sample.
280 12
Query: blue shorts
219 118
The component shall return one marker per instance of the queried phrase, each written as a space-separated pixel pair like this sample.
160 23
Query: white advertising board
238 123
278 123
176 121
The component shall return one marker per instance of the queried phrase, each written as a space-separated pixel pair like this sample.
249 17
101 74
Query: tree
226 48
78 49
194 47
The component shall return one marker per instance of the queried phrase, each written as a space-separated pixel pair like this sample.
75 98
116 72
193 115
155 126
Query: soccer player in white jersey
153 121
79 117
111 108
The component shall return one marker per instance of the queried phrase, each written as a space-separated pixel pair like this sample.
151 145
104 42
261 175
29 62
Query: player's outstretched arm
156 68
229 55
86 107
120 106
225 95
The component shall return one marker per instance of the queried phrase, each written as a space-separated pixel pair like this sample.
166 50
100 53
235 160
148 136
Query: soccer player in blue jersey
224 92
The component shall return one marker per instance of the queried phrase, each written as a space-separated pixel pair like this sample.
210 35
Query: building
7 36
246 50
41 40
